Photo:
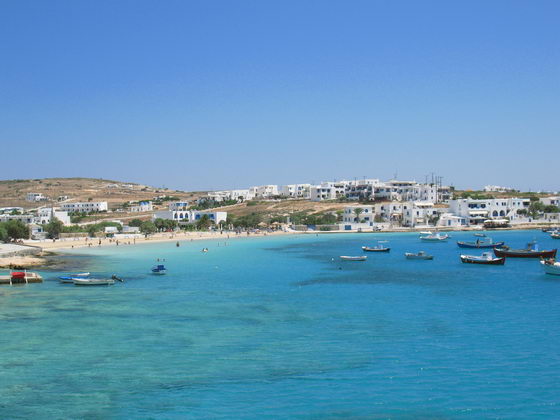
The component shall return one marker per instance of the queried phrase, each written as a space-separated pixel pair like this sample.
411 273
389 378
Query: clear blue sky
225 94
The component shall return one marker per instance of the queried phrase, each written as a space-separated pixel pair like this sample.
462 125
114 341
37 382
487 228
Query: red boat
524 253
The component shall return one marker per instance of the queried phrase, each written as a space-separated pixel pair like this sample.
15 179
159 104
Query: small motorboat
480 235
70 278
555 235
435 237
486 258
350 258
551 267
484 243
377 248
421 255
531 251
93 282
159 269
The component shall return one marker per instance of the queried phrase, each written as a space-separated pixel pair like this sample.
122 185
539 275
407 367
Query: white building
87 207
327 191
477 211
294 190
239 195
366 214
550 201
407 191
178 205
451 221
266 191
142 206
35 197
190 216
46 214
497 188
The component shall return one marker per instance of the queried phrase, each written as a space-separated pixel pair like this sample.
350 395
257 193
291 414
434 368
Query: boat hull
494 261
552 269
479 246
94 282
366 249
348 258
418 257
523 253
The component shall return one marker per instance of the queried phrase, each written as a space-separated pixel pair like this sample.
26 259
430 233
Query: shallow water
275 328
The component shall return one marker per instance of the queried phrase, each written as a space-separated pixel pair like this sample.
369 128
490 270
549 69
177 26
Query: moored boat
531 251
353 258
486 258
159 269
377 248
484 243
555 235
437 237
80 281
70 278
421 255
551 267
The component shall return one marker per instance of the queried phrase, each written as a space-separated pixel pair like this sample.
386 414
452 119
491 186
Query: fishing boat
435 237
350 258
481 235
555 235
531 251
70 278
159 269
486 258
421 255
92 282
480 243
377 248
551 267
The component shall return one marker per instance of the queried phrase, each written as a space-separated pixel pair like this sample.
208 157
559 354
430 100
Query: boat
551 267
481 235
80 281
555 235
437 237
159 269
70 278
486 258
349 258
531 251
480 243
421 255
376 248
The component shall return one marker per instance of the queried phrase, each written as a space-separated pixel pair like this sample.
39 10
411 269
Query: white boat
437 237
92 282
551 267
349 258
421 255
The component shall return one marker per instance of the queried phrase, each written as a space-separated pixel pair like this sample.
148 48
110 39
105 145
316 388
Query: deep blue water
274 328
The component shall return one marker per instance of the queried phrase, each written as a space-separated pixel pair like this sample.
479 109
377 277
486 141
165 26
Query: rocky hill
14 192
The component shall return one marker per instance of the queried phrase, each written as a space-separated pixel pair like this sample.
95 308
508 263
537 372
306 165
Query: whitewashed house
46 214
85 207
294 190
477 211
35 197
142 206
550 201
327 191
190 216
178 205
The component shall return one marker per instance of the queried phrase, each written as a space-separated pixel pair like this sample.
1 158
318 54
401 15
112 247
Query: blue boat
70 278
480 243
159 269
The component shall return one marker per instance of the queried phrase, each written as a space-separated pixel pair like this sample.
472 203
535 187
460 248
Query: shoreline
50 250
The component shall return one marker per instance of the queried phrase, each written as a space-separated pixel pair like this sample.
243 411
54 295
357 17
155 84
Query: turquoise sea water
274 328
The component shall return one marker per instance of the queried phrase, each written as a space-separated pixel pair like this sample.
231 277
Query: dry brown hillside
13 192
